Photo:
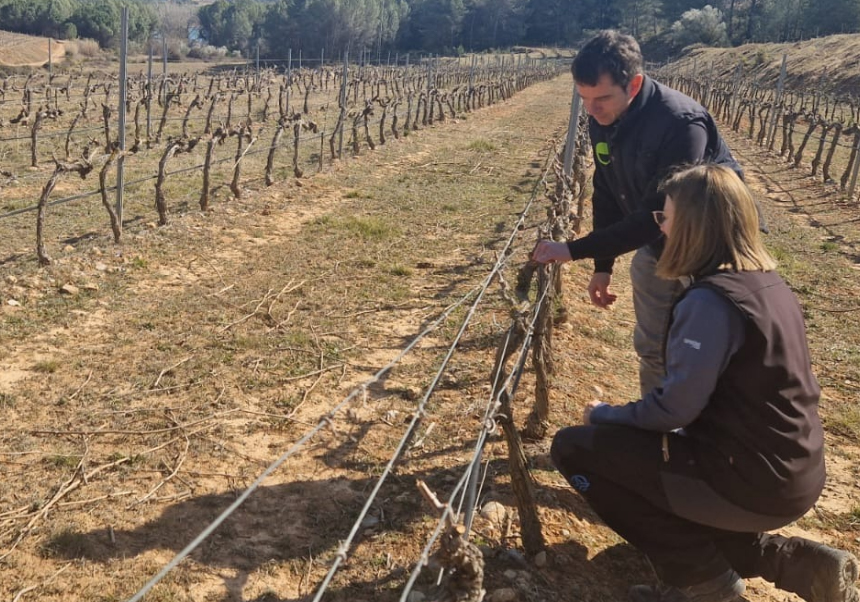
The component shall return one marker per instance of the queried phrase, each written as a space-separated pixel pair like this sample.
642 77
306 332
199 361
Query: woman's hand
547 251
586 413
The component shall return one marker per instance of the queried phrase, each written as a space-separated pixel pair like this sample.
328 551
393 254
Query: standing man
640 132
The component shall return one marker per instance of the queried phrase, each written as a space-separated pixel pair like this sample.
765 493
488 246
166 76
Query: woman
730 445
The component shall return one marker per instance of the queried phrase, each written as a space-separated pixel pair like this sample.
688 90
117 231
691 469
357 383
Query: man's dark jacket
759 439
660 131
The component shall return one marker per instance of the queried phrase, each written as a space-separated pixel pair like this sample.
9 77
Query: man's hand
598 290
586 413
547 251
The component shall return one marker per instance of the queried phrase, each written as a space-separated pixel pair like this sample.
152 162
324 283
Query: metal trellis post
779 90
572 132
736 84
429 74
343 104
149 95
257 74
164 66
123 93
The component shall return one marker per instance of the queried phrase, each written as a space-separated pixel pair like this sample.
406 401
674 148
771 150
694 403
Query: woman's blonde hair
715 224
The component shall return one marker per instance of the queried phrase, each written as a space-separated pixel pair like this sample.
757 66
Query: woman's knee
567 445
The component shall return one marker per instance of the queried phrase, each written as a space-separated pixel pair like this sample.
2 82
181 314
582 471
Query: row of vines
281 124
809 129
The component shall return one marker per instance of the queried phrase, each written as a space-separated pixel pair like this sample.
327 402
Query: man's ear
635 85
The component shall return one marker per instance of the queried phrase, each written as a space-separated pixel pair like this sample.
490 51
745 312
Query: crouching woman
730 445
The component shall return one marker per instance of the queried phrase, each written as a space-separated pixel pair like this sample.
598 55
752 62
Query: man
640 132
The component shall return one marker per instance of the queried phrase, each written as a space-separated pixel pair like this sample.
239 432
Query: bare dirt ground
21 50
183 363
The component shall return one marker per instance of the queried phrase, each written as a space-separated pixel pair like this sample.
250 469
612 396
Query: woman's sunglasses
659 217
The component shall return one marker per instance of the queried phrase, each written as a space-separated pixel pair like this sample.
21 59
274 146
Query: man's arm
614 234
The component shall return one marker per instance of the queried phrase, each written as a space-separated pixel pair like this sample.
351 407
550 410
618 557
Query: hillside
828 64
20 50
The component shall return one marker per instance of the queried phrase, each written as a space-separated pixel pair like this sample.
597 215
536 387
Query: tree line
71 19
449 26
314 27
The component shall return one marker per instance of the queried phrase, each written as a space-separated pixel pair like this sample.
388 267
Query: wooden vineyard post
777 103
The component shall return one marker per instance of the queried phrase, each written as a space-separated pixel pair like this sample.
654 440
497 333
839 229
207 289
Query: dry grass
83 47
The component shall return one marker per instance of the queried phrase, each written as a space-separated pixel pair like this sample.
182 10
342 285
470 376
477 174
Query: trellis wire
326 420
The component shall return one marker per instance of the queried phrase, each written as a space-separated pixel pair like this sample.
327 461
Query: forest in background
380 27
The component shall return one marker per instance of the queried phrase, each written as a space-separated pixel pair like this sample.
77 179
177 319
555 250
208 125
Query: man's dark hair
608 52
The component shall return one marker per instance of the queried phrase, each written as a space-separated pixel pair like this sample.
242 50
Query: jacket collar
635 108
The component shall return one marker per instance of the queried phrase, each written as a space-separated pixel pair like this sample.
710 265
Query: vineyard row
367 106
785 121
